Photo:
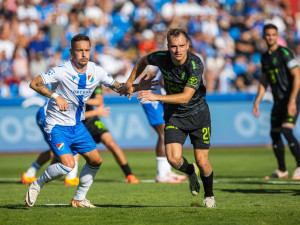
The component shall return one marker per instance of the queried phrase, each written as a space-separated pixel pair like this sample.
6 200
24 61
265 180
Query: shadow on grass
263 191
25 207
10 182
16 206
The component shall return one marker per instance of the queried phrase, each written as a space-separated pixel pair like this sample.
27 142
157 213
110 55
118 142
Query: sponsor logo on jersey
81 91
90 78
192 81
50 72
60 146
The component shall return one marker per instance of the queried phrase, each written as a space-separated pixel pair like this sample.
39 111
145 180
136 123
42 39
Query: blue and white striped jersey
75 88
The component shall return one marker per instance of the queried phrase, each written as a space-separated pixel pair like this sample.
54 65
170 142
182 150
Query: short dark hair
175 32
270 26
79 37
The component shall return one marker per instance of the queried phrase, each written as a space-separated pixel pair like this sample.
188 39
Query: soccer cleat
167 179
209 202
194 183
176 176
132 179
278 174
27 180
72 182
32 194
82 204
296 174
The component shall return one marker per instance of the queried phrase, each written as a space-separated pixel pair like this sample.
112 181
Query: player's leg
119 156
84 144
287 130
71 178
164 172
174 140
60 145
154 112
277 116
86 178
206 175
53 172
30 175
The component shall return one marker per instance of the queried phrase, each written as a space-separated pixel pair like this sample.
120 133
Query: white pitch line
53 204
217 181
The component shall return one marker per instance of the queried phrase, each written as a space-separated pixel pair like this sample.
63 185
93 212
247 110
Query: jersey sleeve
156 58
105 78
194 76
54 75
289 58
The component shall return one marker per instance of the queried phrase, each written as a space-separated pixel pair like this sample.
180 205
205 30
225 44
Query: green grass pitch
241 193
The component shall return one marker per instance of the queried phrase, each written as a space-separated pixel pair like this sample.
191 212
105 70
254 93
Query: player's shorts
70 140
96 128
280 115
200 137
154 112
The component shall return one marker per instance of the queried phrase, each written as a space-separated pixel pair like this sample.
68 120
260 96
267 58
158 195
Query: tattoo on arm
42 89
115 86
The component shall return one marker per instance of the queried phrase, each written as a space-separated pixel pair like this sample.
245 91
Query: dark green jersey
98 90
277 68
176 78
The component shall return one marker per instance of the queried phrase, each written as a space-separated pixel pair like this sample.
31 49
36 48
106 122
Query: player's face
178 47
271 36
81 53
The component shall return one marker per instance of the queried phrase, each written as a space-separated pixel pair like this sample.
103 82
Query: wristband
54 95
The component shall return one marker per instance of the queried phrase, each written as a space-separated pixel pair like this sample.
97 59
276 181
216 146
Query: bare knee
95 162
202 163
175 161
67 160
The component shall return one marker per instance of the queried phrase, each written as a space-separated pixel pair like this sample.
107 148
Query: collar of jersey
79 74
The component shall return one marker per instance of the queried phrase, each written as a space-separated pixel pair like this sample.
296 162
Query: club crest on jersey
90 78
60 146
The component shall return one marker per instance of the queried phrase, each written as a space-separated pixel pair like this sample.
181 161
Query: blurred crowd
227 34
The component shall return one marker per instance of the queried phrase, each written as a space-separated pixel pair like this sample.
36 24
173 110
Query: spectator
4 89
24 90
38 65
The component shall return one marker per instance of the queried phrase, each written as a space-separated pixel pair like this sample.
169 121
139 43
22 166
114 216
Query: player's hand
147 95
292 108
62 103
147 84
102 111
126 89
255 110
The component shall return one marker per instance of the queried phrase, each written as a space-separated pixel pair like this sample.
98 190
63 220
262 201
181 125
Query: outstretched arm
142 85
139 67
39 86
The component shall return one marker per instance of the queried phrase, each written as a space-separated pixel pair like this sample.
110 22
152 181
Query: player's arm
97 101
39 86
292 108
100 110
181 98
144 84
139 67
260 94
